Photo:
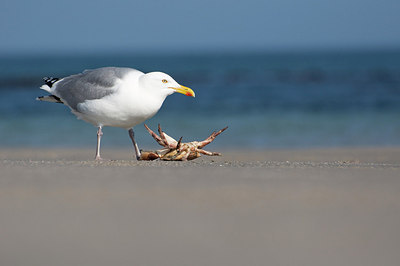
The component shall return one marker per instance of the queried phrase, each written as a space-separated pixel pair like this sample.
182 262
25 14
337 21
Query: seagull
113 96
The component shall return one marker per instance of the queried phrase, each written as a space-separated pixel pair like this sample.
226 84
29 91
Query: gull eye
164 81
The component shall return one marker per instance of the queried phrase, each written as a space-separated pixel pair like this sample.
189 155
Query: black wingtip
50 81
49 98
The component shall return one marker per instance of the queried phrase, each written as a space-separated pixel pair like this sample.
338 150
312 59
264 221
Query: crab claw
148 156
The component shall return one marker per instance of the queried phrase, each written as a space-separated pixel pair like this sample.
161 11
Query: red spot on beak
188 94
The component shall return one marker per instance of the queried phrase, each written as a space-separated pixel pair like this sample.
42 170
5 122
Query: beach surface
278 207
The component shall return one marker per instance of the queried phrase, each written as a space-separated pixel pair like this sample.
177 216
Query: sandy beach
278 207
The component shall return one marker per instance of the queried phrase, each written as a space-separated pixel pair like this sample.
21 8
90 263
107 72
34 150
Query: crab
176 150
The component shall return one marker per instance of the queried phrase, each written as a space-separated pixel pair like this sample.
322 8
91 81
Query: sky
87 26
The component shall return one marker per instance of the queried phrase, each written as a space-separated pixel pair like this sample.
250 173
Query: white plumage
111 96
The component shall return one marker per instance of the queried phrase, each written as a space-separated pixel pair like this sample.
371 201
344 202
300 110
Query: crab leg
178 146
162 135
169 142
211 138
156 137
209 153
182 156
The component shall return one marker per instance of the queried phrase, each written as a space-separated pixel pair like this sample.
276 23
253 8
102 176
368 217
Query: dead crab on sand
176 150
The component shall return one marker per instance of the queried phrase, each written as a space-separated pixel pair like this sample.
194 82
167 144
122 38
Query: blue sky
42 26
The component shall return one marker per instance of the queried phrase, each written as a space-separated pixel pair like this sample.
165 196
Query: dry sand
316 207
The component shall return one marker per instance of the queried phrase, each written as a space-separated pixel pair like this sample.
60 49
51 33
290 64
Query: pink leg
135 146
99 134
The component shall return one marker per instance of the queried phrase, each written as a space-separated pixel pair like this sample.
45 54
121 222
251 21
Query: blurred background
280 74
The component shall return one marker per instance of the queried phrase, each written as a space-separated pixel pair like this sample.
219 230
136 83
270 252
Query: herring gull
113 96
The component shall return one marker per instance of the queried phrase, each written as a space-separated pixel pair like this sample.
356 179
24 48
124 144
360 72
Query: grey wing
90 85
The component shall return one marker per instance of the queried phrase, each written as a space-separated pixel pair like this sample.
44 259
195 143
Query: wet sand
299 207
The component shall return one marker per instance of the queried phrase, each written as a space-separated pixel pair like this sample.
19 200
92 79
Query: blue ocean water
268 100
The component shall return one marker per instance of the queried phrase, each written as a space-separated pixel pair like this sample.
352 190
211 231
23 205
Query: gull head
165 84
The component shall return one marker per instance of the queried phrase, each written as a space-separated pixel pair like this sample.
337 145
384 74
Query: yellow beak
185 90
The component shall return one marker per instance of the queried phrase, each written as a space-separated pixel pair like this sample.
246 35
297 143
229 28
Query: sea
269 100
